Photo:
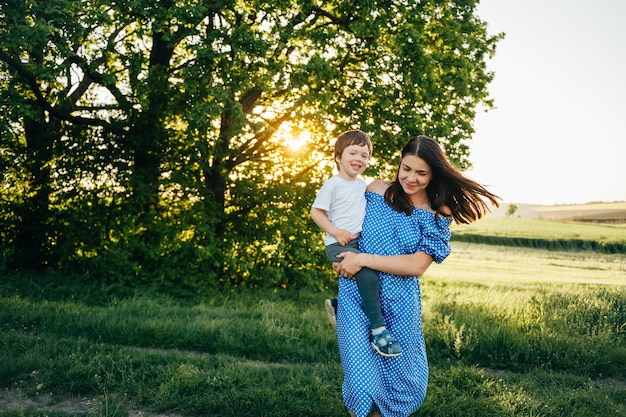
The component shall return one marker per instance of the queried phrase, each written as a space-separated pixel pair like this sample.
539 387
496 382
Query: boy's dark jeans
367 282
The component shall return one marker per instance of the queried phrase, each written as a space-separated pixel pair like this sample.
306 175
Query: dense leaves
145 140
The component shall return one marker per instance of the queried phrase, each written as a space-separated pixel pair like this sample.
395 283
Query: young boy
339 209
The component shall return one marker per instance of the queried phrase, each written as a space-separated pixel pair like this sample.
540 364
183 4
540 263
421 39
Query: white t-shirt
344 203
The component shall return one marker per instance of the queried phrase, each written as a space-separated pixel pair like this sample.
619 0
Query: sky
556 135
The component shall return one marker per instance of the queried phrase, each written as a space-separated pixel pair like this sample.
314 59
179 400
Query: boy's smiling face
353 161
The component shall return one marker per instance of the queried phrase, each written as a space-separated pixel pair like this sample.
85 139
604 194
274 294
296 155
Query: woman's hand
337 267
350 265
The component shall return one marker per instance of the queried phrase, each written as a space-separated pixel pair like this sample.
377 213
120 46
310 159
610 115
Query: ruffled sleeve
435 239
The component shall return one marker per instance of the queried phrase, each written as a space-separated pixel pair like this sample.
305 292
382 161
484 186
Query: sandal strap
391 346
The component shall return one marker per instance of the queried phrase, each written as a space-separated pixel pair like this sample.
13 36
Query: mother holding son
405 229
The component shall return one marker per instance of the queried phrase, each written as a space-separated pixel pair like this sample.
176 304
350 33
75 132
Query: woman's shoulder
445 211
378 186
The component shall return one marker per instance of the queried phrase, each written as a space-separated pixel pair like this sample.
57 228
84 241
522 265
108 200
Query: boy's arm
320 219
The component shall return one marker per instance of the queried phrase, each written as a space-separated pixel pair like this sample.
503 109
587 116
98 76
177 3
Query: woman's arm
403 265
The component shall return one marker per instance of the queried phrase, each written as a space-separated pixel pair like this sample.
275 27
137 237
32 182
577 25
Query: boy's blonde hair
351 137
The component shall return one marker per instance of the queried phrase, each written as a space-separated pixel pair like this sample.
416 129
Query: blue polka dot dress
394 386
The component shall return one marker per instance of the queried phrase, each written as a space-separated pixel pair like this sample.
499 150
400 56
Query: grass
522 266
544 234
228 355
510 331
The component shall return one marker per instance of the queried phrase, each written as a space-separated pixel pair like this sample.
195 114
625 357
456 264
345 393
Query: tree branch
40 100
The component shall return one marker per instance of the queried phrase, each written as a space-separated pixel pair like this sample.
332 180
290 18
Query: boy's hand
343 237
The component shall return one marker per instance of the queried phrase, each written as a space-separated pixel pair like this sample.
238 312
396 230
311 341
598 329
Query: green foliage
159 154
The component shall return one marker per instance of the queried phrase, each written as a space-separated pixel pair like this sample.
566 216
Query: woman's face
414 175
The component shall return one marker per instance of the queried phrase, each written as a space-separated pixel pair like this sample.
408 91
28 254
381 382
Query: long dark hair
448 187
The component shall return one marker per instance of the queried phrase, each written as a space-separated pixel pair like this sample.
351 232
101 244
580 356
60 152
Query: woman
406 228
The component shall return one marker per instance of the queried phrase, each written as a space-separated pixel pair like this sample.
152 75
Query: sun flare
297 142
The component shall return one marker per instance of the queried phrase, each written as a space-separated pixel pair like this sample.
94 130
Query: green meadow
543 234
512 329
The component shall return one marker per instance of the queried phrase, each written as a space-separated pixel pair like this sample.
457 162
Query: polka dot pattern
395 386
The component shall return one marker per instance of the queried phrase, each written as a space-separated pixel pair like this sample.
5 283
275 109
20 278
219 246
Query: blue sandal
385 344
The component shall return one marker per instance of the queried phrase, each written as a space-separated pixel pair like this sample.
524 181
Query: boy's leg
332 251
382 341
368 283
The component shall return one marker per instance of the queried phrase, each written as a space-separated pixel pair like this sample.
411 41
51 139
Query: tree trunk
32 245
148 136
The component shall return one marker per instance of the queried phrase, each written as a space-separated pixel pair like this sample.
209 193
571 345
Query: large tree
174 113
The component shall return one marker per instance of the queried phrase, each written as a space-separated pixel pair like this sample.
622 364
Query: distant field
544 234
543 229
581 212
516 267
